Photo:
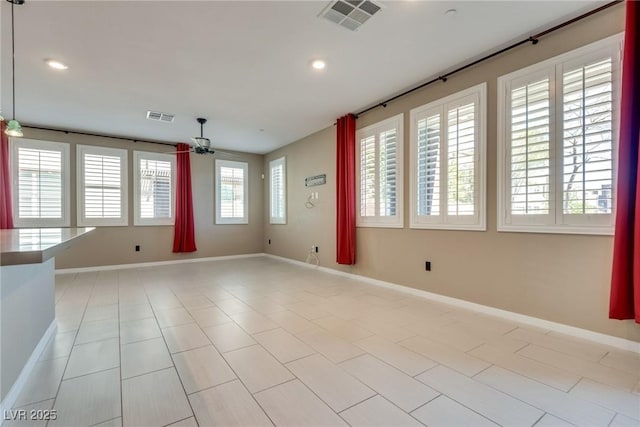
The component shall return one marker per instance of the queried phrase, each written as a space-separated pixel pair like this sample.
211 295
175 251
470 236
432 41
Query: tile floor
257 342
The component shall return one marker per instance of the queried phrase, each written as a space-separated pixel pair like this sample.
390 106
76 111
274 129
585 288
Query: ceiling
243 65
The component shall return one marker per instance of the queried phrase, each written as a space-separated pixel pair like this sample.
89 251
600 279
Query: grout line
105 421
539 419
179 421
215 386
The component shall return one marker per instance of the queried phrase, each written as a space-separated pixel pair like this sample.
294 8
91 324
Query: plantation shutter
461 153
587 103
232 192
102 186
530 148
155 188
388 172
428 167
40 184
278 196
368 176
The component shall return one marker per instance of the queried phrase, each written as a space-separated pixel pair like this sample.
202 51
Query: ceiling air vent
160 117
350 14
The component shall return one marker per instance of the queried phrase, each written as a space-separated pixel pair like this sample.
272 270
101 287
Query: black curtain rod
124 138
532 39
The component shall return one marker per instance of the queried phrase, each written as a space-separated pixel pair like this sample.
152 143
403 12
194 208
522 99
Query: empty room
319 213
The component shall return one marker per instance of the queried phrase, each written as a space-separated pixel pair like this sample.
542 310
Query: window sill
590 231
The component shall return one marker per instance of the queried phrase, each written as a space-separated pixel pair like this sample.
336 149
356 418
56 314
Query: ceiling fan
202 144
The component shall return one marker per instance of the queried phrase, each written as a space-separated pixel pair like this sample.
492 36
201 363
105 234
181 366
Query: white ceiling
243 65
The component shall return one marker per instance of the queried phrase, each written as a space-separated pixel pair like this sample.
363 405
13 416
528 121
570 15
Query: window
278 191
232 196
41 183
448 160
154 188
102 186
557 142
379 174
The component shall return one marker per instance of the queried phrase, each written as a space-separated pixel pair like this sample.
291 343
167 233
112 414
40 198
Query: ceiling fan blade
225 153
177 152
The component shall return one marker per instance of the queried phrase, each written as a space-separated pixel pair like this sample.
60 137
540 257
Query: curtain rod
533 39
124 138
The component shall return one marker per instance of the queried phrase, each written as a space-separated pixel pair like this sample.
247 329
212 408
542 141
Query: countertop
36 245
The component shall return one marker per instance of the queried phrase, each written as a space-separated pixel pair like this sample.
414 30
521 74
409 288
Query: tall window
154 188
557 142
102 186
232 194
448 158
40 171
278 191
379 174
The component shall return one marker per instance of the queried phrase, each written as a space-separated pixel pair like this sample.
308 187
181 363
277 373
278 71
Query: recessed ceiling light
451 12
318 64
56 65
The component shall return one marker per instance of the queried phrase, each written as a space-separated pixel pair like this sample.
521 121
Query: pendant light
13 127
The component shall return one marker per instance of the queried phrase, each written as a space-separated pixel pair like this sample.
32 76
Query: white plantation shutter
41 183
388 173
530 148
461 148
379 156
428 165
558 144
102 186
448 162
277 189
153 188
587 98
368 176
231 192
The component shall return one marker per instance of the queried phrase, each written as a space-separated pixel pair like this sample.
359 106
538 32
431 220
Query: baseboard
153 263
18 385
585 334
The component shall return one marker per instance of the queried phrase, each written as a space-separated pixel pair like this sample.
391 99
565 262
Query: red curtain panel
6 212
625 283
346 190
184 234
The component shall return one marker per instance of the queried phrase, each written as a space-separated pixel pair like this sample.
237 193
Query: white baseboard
153 263
586 334
18 385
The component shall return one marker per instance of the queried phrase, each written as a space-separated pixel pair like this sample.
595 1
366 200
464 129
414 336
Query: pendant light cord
13 61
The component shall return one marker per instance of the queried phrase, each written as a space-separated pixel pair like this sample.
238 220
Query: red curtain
625 282
6 213
184 234
346 190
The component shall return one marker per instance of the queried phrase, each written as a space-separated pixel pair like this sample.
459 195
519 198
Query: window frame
444 221
392 221
137 219
556 222
64 148
272 164
219 163
122 153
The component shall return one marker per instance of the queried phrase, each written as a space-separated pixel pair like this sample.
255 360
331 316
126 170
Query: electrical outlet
137 248
427 265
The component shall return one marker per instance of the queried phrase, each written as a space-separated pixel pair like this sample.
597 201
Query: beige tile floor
259 342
